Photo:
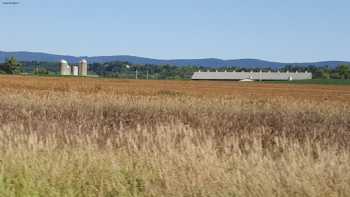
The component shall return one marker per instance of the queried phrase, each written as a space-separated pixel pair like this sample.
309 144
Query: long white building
258 76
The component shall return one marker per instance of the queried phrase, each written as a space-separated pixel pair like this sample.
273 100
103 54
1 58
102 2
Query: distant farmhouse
66 69
252 76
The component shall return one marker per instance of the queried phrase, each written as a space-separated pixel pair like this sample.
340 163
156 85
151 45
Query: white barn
259 76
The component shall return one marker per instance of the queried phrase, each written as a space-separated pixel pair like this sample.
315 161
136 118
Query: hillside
206 62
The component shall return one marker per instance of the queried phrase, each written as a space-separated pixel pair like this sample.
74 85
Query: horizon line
166 59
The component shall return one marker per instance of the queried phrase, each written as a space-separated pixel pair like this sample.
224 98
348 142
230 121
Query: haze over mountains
206 62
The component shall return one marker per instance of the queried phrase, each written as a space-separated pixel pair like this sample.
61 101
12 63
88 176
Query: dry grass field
99 137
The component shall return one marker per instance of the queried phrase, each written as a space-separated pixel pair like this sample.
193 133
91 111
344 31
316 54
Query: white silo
75 70
65 68
83 67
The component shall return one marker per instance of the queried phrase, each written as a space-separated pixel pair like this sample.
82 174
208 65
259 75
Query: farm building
81 70
65 68
259 76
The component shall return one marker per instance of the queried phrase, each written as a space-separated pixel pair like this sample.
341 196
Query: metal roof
251 75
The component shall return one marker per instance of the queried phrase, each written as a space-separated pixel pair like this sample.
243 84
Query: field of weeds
97 137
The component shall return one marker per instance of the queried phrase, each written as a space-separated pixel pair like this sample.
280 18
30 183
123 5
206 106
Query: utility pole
147 74
136 74
36 69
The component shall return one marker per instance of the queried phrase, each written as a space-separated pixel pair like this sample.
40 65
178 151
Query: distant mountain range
206 62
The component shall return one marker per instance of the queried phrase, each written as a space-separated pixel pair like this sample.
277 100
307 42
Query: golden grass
96 137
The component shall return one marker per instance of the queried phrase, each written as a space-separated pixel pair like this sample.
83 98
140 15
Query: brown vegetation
97 137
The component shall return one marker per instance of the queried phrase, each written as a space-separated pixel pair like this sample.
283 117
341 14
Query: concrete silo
65 68
83 67
75 70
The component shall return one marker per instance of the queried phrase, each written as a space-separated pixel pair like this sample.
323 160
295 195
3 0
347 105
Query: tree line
11 66
127 70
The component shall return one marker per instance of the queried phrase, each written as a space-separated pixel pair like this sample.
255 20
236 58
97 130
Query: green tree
344 71
11 66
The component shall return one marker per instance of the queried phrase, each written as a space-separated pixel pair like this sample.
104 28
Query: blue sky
278 30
